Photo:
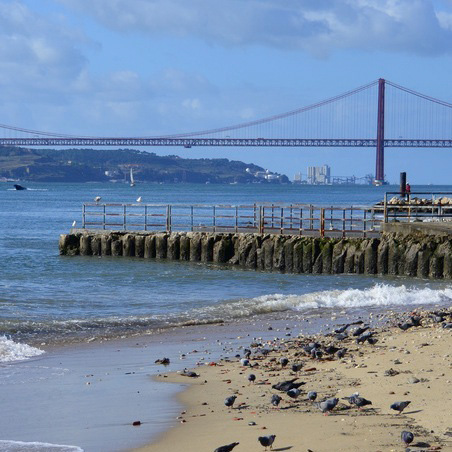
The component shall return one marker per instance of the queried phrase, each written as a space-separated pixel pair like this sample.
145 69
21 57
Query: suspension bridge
378 115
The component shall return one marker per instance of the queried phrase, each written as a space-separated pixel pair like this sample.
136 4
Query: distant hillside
102 165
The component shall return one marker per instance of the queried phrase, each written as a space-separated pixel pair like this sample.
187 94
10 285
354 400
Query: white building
319 175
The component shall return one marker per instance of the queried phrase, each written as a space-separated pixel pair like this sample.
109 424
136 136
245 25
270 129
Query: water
47 300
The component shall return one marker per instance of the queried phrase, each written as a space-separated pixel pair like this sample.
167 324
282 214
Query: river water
48 300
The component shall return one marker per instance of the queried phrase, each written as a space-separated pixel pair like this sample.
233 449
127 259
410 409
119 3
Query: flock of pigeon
318 351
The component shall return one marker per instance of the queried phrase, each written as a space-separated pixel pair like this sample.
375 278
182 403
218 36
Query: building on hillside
319 175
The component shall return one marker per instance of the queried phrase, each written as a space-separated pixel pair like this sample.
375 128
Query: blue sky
150 67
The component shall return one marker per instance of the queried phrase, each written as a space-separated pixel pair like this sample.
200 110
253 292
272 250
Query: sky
155 67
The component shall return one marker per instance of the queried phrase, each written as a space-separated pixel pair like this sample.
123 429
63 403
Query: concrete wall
416 254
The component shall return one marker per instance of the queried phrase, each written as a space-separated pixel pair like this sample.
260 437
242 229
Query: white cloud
318 27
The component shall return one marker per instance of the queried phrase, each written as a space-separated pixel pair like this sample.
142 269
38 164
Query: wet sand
413 365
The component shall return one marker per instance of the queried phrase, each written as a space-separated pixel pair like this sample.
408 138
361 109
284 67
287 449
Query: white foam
379 295
16 351
20 446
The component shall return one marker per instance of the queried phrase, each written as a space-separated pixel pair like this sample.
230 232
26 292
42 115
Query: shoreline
413 365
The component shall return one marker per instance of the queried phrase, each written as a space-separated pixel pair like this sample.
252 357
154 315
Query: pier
400 237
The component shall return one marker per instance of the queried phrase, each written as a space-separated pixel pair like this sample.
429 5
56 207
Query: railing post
281 226
261 219
214 218
311 217
145 218
365 224
168 218
290 222
236 219
105 217
124 222
254 215
273 216
322 222
84 216
343 223
301 221
385 209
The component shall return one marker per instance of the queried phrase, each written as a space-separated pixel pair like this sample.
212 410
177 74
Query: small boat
19 187
132 180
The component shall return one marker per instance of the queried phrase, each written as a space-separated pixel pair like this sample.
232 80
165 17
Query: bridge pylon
380 154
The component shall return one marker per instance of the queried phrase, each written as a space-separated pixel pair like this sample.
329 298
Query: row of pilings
391 254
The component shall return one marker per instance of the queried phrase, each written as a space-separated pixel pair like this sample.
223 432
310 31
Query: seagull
97 198
229 401
327 405
312 395
267 441
400 406
139 199
407 437
226 448
74 223
275 399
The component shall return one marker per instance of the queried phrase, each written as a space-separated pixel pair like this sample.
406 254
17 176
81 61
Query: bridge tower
380 157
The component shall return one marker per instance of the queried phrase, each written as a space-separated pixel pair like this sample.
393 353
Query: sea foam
380 295
16 351
20 446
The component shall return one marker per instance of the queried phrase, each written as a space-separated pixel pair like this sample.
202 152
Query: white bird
97 198
74 223
139 199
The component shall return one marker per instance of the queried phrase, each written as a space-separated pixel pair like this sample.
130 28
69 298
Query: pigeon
415 320
341 353
316 353
312 395
97 198
226 448
364 337
447 326
244 362
360 330
400 406
342 329
283 361
251 378
229 401
293 393
287 385
407 437
275 399
331 349
360 402
350 399
404 326
296 367
139 199
341 336
372 340
327 405
267 441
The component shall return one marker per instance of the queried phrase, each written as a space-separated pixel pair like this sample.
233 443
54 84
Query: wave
20 446
379 296
16 351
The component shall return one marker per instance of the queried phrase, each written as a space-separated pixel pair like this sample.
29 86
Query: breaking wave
20 446
16 351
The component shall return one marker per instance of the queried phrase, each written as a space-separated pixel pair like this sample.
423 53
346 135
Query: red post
380 165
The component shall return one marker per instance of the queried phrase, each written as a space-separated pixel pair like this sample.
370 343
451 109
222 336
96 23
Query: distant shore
412 365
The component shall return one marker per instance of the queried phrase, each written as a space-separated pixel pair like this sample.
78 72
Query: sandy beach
413 365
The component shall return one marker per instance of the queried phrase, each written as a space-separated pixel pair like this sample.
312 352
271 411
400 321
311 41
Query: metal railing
417 206
294 219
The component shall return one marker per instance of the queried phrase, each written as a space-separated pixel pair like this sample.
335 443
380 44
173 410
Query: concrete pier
398 252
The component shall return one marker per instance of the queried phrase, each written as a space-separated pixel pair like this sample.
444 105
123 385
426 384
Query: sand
420 358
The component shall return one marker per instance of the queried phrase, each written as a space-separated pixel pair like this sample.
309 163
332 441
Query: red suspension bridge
379 115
